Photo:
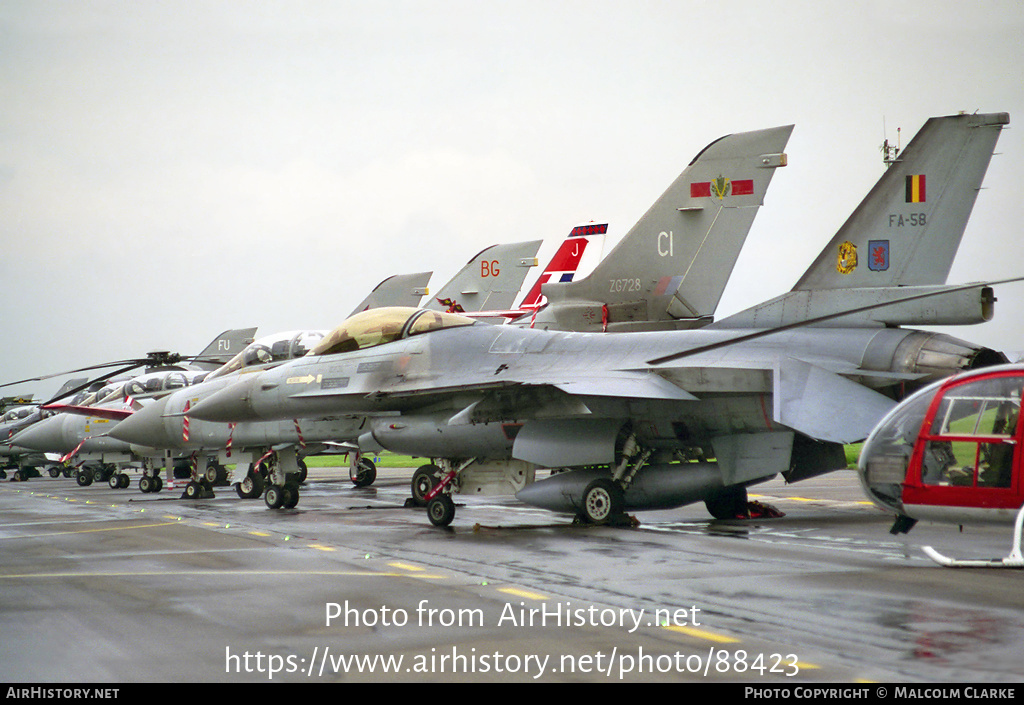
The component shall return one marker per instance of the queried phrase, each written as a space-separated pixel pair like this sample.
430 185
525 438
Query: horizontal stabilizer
825 406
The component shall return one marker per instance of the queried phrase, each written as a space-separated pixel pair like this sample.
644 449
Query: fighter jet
276 451
661 419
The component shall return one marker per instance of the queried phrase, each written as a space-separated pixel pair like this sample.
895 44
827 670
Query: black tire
124 481
145 484
251 487
83 478
441 510
730 503
602 502
424 480
54 471
292 498
365 473
193 490
114 481
275 497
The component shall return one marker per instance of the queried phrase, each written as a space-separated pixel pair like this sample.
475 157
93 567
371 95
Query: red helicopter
952 452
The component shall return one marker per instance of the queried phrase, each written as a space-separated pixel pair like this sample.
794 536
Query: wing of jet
670 269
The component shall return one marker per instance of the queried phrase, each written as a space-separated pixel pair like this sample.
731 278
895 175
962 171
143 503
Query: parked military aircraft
952 453
81 432
20 413
639 416
276 450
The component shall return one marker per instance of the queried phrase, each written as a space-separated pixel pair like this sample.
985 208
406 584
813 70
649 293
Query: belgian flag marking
916 188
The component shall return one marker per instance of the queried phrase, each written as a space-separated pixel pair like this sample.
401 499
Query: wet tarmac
102 585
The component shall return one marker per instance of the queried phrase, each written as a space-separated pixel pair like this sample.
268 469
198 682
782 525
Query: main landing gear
432 488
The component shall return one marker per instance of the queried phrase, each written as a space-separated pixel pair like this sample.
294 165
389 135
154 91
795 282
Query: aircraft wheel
84 478
365 473
441 510
602 500
54 471
210 475
424 480
68 471
114 481
730 503
292 496
145 484
126 481
275 497
300 476
193 490
251 487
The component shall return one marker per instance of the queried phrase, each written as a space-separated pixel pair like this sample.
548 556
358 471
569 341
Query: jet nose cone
145 427
46 436
229 404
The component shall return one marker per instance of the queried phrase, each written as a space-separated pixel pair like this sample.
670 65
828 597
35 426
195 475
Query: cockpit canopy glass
18 413
271 349
378 326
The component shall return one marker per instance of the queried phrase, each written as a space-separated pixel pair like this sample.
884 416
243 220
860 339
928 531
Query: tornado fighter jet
655 419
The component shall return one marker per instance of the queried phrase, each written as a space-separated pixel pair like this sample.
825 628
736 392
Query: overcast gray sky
172 169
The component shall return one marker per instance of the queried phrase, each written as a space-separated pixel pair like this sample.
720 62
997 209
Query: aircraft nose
46 435
229 404
145 427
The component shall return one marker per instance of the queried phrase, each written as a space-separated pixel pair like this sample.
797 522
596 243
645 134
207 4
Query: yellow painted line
258 533
703 634
524 593
809 667
406 566
91 531
321 547
193 573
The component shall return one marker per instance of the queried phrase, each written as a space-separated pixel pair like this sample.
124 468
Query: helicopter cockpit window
175 380
19 413
970 441
378 326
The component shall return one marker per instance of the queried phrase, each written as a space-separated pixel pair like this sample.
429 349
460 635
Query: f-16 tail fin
905 233
397 290
670 269
908 228
491 280
224 347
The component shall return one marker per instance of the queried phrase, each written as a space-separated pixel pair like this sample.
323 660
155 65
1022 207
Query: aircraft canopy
377 326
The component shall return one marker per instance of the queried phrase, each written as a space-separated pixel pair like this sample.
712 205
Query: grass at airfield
393 460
